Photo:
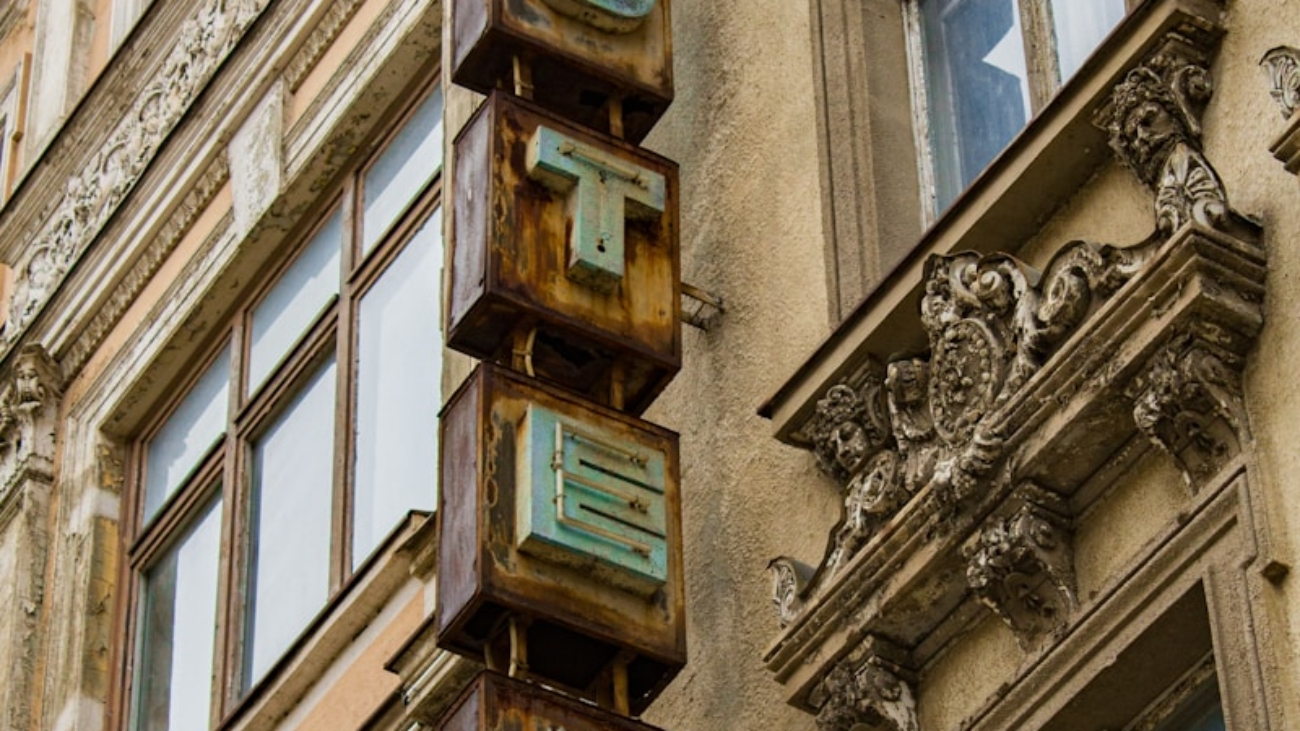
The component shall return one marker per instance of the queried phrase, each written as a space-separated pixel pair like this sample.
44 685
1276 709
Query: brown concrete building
1009 282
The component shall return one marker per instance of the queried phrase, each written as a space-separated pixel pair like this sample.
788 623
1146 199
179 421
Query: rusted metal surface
581 55
512 234
493 702
574 621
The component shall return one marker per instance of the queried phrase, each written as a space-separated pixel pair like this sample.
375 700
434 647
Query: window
301 442
987 67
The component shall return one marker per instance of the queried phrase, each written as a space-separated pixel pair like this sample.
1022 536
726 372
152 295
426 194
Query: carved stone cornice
870 693
1020 564
90 196
1283 66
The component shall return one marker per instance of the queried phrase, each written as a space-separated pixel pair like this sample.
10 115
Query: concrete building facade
990 430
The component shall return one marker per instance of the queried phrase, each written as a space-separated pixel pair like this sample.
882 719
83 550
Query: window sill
1051 159
330 633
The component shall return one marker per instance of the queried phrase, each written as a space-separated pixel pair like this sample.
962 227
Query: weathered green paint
605 190
591 496
615 16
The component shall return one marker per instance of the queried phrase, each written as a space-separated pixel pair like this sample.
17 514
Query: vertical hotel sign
560 560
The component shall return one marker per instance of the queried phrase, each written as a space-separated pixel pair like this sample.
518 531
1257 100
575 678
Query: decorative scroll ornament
29 405
91 196
1021 566
613 16
788 579
1191 405
1153 121
1283 65
870 695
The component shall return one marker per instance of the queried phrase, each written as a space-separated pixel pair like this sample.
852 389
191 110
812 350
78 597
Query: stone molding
958 466
1283 67
92 195
336 17
142 271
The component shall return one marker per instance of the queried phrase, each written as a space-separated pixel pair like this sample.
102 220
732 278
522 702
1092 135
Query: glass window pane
403 169
295 301
292 496
177 632
399 369
977 86
1080 26
197 424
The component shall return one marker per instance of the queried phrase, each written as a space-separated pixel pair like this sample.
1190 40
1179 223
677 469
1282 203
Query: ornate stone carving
160 247
91 197
869 695
991 321
1190 404
29 404
1283 65
788 580
1021 566
850 424
1153 120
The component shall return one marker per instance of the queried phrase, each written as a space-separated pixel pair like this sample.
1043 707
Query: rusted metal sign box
581 54
494 702
565 246
562 517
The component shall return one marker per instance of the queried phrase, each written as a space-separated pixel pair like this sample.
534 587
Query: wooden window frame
1043 73
228 463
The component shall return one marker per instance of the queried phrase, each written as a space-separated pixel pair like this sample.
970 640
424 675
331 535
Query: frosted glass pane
399 372
177 632
1080 26
196 424
292 496
294 302
977 86
402 170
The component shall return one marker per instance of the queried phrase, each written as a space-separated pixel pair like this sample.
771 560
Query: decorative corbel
1153 120
1283 66
29 404
1021 564
1190 404
871 694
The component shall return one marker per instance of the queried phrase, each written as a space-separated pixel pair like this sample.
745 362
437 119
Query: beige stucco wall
743 127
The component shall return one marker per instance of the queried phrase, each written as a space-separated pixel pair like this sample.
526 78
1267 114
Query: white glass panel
403 169
177 635
293 478
398 375
1080 26
188 434
294 302
977 86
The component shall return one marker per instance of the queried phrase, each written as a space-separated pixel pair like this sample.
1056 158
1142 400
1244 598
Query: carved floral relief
1283 66
91 197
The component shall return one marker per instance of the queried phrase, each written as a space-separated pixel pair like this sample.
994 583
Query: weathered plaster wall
743 127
